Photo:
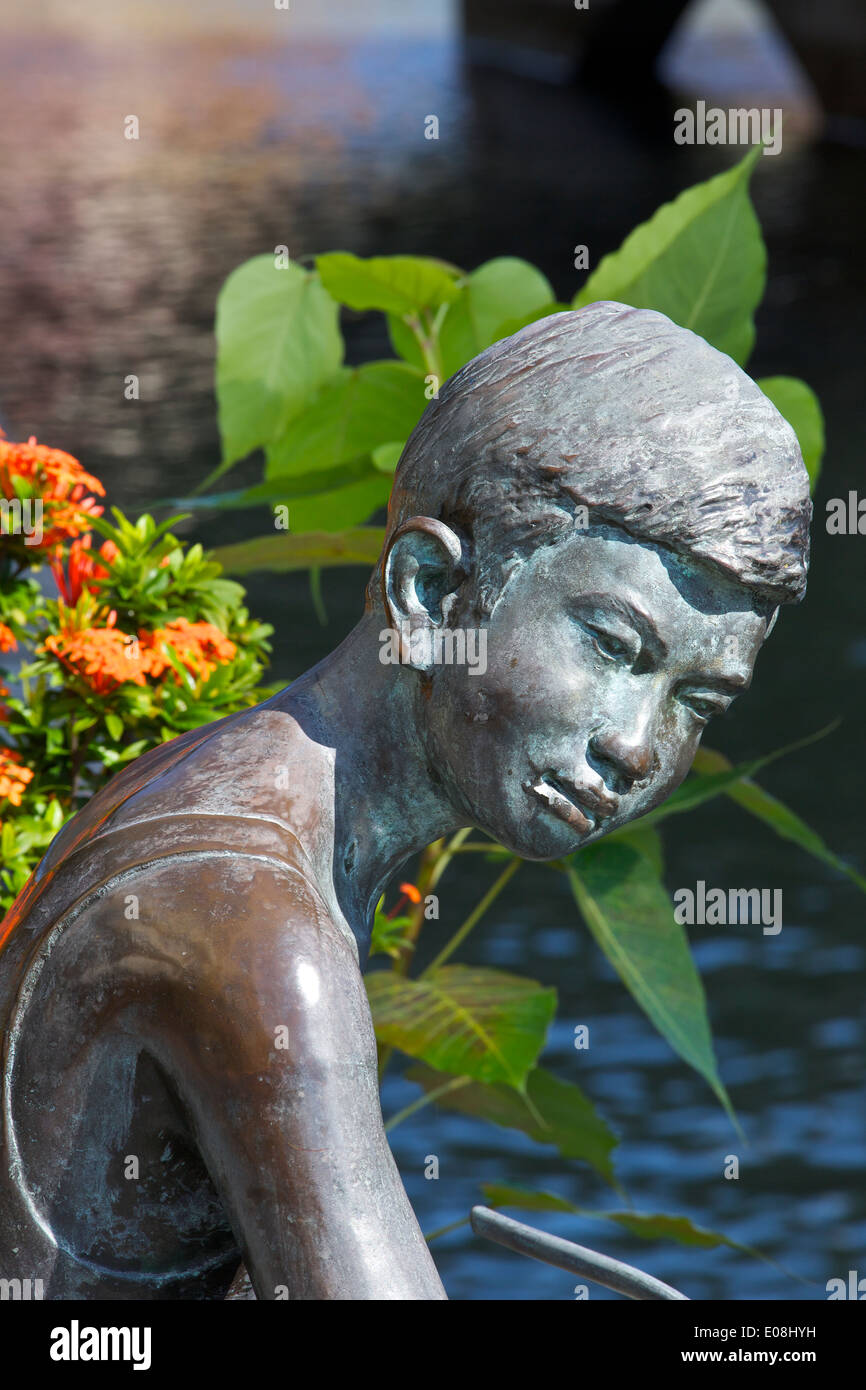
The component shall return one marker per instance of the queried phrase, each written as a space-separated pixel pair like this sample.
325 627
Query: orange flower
198 646
82 569
408 894
13 779
104 656
7 639
59 480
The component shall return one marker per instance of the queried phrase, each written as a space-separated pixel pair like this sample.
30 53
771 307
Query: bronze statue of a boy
620 510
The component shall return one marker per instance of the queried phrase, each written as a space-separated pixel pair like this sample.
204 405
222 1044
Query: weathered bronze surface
609 511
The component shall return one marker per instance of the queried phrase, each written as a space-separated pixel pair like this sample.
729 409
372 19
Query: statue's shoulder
223 791
229 768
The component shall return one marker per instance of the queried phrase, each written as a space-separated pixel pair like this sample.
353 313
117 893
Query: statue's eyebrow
639 619
730 685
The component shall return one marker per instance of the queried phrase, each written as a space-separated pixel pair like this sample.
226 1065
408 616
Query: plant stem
443 1230
425 336
74 757
426 870
474 916
434 862
427 876
452 848
453 1085
384 1059
316 595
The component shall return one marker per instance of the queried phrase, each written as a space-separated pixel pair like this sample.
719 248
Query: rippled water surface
111 255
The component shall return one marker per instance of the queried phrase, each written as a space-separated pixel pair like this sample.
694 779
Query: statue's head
588 539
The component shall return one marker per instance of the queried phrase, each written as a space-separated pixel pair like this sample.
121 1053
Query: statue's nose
630 757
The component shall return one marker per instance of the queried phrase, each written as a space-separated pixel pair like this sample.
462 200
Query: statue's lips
580 807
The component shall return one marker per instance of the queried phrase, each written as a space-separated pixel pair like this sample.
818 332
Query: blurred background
305 127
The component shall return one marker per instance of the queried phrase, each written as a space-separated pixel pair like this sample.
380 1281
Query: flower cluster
58 481
13 777
105 657
392 931
145 639
198 646
83 570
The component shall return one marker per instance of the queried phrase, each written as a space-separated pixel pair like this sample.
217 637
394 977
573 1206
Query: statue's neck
372 800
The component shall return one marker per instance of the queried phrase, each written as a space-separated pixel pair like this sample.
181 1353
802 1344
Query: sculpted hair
622 412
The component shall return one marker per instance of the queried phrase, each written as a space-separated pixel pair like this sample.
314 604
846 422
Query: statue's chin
541 836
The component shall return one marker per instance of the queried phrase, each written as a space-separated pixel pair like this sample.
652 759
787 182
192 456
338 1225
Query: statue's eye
614 648
704 707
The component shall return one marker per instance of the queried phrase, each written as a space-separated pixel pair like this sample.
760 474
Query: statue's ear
424 567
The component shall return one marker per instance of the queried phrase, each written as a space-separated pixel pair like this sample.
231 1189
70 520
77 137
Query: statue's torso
102 1190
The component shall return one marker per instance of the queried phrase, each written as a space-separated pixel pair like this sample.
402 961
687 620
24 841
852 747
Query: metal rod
553 1250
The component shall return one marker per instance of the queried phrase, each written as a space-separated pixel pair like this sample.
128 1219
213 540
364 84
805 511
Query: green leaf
514 325
551 1112
114 725
343 508
405 343
629 913
501 1194
394 284
498 291
785 822
284 552
278 340
328 501
387 456
464 1021
645 839
707 784
646 1225
659 1226
799 405
700 260
283 487
789 826
389 935
364 408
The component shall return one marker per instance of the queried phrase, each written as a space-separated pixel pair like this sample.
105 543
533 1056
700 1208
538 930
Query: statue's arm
275 1062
